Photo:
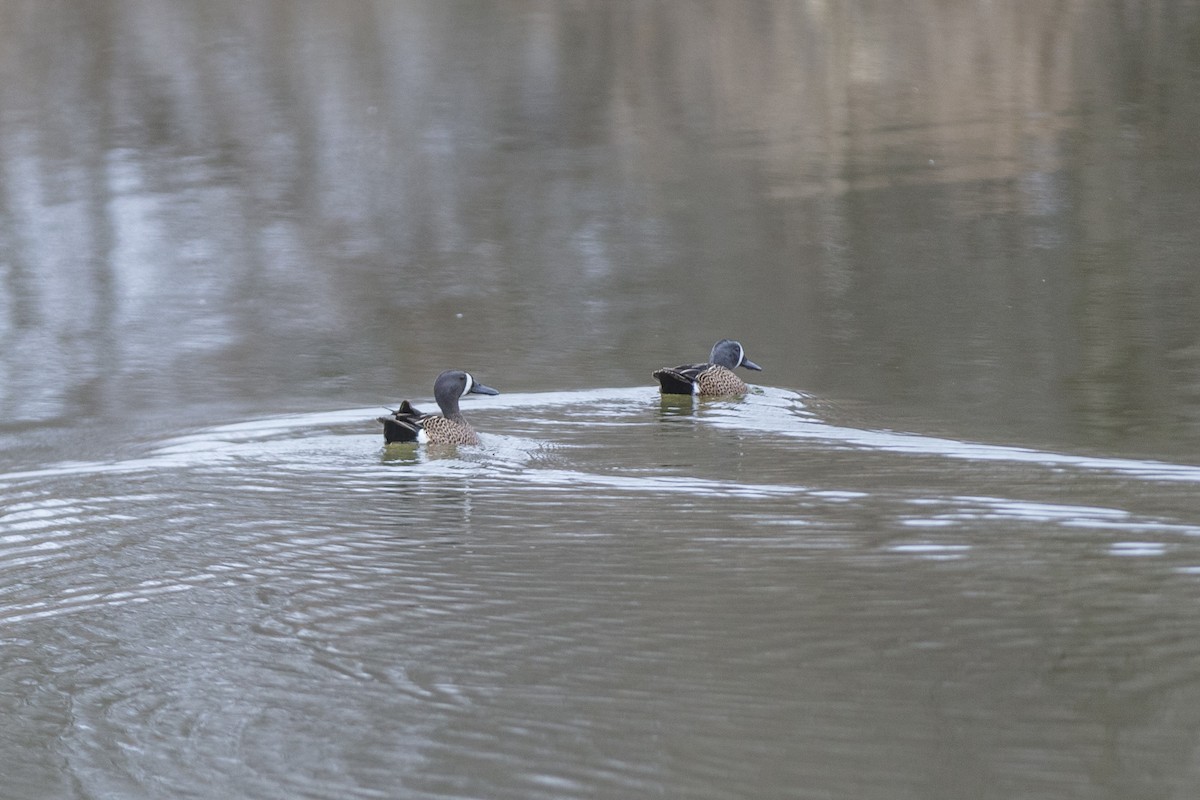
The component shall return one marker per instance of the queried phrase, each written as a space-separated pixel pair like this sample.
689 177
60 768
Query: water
618 595
948 548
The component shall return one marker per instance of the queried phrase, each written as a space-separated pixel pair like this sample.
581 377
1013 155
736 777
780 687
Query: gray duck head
453 384
731 354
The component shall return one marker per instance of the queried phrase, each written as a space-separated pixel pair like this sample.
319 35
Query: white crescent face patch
469 386
741 355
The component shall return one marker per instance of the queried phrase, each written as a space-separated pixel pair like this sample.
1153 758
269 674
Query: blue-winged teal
712 378
407 424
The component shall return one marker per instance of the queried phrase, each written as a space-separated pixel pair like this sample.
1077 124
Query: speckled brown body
449 431
718 380
711 380
408 424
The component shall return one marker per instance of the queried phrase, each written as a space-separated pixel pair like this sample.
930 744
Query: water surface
948 547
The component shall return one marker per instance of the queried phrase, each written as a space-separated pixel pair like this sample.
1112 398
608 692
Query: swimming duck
712 378
407 424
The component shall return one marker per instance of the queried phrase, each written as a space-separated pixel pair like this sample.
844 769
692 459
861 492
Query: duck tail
673 381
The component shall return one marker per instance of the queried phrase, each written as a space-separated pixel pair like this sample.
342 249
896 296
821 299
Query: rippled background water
948 548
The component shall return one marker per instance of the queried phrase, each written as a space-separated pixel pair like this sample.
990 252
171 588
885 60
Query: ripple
771 412
283 607
930 550
975 509
1137 549
319 441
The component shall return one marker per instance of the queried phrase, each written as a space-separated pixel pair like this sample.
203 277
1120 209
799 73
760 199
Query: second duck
713 378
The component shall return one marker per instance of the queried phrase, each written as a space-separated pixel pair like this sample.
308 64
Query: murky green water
950 547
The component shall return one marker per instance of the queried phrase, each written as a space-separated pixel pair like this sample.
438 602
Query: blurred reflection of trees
251 200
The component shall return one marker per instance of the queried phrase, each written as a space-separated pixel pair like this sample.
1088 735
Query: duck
714 378
408 424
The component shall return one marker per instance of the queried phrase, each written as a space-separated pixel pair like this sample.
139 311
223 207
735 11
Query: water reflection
262 204
678 405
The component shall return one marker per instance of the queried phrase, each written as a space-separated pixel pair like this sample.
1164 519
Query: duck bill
479 388
748 364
